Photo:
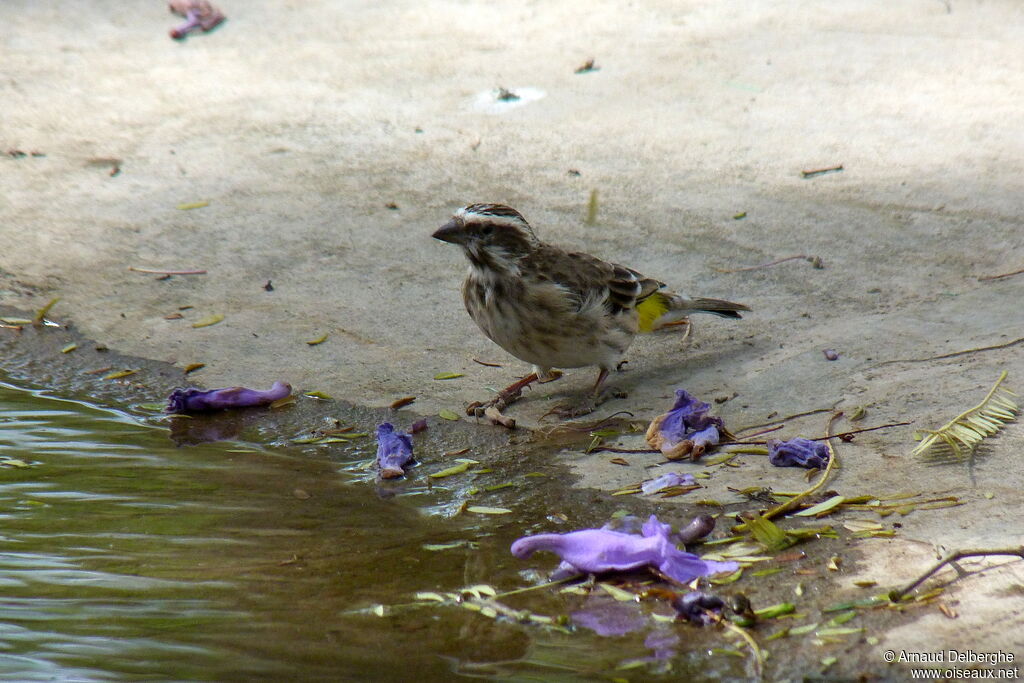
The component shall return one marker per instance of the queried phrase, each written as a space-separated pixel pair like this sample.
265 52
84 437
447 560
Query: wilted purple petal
600 550
418 426
699 608
687 428
394 451
698 528
667 480
607 617
798 452
197 13
199 401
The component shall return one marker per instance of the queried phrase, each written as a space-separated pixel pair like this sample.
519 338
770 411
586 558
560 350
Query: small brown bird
557 309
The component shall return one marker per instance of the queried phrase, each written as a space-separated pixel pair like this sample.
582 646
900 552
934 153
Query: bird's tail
661 308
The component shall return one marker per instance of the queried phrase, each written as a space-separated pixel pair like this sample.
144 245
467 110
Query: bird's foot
507 396
568 411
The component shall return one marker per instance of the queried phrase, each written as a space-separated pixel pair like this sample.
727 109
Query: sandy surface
301 123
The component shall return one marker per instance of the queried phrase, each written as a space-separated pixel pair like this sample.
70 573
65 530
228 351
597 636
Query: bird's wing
585 278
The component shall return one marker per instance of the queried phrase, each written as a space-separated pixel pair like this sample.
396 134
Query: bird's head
490 234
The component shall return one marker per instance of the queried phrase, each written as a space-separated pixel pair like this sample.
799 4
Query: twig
821 171
797 499
896 595
758 657
166 272
952 355
998 277
840 435
787 419
609 449
813 259
486 364
501 596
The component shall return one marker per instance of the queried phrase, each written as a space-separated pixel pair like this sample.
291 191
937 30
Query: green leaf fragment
821 508
842 618
319 394
192 205
484 510
119 374
775 610
69 348
448 415
802 630
617 593
454 469
448 375
208 320
151 407
318 340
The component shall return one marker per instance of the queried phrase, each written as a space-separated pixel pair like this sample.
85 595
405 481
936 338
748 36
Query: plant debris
194 400
686 429
971 426
603 550
199 14
394 451
821 171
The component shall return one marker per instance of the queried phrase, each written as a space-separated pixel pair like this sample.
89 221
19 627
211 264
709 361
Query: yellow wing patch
650 309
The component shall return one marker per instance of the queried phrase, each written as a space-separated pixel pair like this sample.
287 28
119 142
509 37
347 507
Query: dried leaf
483 510
821 508
119 374
618 593
318 340
454 469
448 375
619 461
862 525
966 430
173 316
319 394
14 462
41 313
192 205
402 402
192 367
282 402
208 320
69 348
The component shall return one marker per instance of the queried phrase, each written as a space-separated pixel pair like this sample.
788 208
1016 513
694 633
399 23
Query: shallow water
124 556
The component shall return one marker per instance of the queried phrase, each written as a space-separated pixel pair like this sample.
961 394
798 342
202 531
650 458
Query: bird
554 308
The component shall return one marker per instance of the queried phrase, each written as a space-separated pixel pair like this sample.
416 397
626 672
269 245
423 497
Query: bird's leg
590 403
511 393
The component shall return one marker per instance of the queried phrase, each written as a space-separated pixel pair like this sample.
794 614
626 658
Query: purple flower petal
699 608
798 452
199 401
667 480
394 451
600 550
610 618
687 428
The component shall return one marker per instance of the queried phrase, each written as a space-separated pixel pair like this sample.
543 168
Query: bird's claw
568 411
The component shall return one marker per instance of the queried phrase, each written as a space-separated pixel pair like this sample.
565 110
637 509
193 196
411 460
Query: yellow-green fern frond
966 430
650 309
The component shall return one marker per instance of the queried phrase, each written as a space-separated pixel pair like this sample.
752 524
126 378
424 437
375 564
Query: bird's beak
451 232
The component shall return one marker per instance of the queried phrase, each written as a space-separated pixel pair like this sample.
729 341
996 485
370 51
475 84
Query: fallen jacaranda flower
686 429
199 401
699 608
394 451
198 14
798 452
598 551
667 480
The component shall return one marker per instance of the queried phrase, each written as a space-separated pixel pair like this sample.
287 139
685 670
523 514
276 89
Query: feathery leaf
966 430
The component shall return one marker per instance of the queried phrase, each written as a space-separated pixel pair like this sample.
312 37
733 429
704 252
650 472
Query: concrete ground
331 138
